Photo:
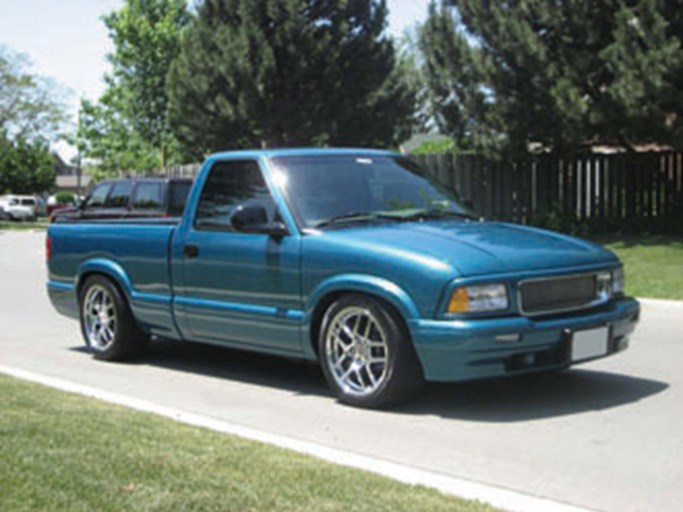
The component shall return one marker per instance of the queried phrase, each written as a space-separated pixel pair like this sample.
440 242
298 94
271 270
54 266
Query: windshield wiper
354 217
435 213
396 217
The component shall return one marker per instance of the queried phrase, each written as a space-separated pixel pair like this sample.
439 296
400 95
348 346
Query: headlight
478 299
618 281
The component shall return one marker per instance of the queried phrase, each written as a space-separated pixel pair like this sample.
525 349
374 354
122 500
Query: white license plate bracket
589 344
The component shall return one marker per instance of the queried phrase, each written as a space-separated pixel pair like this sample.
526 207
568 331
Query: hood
475 248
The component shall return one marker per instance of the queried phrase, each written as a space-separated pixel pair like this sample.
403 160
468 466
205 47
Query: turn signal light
478 299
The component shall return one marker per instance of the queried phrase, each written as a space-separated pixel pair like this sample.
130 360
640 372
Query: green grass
654 265
60 451
23 226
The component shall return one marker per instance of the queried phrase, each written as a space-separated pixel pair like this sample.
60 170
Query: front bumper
459 350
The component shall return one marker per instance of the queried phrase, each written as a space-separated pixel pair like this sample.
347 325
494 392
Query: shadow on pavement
532 397
522 398
292 375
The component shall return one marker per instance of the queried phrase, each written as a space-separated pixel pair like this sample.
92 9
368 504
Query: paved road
607 436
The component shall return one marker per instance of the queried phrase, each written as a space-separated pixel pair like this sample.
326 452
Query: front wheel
367 356
107 325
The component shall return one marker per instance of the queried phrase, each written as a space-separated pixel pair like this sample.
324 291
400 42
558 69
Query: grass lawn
654 265
60 451
40 224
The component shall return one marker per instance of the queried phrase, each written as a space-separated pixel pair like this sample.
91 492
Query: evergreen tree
564 74
257 73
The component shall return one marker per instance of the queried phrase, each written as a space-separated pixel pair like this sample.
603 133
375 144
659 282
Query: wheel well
326 301
88 275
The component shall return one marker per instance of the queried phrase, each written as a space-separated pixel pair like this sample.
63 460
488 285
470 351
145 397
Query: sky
66 39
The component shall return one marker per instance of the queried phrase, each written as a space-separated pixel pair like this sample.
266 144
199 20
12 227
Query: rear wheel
107 325
367 356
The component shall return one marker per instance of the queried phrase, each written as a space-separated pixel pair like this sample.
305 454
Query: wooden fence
641 191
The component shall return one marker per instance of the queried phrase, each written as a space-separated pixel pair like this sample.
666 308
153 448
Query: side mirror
254 219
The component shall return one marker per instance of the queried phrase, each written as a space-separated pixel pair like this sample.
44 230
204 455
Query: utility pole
79 171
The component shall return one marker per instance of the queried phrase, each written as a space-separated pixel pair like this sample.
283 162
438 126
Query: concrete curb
662 303
495 496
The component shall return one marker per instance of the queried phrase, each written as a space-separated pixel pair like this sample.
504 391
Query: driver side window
228 185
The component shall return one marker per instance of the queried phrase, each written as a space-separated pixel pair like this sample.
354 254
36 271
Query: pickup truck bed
134 252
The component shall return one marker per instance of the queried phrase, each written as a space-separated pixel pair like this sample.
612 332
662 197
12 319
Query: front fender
358 283
370 285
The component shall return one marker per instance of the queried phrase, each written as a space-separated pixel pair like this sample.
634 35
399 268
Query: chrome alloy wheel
357 351
99 317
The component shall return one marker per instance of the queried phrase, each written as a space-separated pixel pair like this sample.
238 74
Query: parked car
356 259
17 207
130 198
30 202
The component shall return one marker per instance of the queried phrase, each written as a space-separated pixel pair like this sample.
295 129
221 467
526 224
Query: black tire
366 354
107 325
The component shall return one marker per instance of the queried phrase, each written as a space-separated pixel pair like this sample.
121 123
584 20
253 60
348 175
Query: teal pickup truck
353 258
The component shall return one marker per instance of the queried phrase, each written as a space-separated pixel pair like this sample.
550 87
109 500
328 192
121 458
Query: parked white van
16 207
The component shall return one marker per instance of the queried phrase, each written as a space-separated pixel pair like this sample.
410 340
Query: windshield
324 190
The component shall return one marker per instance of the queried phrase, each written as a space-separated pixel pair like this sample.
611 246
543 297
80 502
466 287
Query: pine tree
257 73
562 74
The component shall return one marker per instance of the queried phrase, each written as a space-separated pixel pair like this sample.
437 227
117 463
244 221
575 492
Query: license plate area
589 344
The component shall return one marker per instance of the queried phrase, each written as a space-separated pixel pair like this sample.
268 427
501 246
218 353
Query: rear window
177 192
149 196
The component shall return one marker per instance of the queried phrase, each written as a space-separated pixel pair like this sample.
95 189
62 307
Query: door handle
191 251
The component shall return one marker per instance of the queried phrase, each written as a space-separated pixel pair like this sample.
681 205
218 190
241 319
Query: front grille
558 294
